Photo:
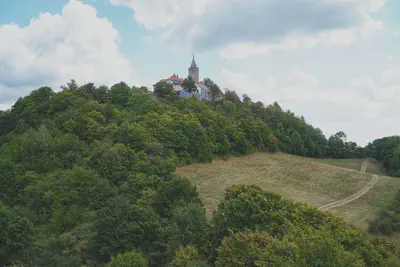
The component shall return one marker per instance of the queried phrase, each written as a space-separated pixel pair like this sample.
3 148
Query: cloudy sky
336 62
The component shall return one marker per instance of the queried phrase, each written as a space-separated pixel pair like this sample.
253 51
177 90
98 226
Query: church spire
194 65
194 70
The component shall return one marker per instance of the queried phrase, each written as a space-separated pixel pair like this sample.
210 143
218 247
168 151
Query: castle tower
194 71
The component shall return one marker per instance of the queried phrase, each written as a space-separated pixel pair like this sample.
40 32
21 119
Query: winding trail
357 195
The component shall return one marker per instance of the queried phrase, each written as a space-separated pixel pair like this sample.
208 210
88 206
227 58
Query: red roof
175 78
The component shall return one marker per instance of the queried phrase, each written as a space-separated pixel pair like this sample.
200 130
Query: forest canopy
87 178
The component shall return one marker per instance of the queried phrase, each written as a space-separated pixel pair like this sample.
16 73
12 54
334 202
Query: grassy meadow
374 167
313 181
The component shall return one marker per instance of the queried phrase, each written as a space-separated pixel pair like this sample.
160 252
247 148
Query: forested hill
87 179
229 127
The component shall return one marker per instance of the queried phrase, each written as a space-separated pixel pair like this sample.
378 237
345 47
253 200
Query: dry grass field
361 210
374 167
314 181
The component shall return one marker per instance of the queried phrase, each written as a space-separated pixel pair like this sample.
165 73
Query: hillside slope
88 173
374 166
295 178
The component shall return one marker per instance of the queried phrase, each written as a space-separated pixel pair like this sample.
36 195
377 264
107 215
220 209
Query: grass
360 211
374 167
296 178
313 181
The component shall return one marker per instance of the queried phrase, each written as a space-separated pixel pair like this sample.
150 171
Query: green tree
387 220
215 91
246 98
71 85
163 89
173 194
229 108
122 226
120 94
187 256
232 96
128 259
189 85
190 227
256 249
16 234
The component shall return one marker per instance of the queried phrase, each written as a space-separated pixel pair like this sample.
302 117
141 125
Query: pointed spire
193 65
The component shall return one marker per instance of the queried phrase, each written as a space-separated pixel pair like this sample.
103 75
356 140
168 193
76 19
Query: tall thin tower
194 71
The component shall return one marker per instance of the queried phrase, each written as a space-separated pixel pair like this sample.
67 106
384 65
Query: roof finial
193 55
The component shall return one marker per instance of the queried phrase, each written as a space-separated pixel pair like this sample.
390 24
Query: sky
336 62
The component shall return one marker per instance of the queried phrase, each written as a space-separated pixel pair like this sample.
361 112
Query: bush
128 259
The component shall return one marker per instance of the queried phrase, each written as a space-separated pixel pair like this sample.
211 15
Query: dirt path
371 184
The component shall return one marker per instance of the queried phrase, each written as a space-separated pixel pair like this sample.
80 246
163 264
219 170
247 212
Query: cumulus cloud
391 77
246 28
55 48
365 109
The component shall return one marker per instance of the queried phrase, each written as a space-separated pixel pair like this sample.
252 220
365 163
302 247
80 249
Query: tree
229 108
128 259
186 257
255 249
143 89
246 98
163 89
120 94
189 85
71 85
191 227
214 89
121 226
387 220
337 144
232 96
16 233
387 150
104 95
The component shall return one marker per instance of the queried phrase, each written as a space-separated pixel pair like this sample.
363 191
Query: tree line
294 134
87 178
387 151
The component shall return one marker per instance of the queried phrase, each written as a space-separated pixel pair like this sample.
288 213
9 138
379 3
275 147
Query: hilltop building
194 72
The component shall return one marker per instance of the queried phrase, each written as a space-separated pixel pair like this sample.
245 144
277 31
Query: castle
194 72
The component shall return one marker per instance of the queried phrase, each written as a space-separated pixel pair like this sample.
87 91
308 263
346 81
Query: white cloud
396 33
300 78
358 108
239 81
4 106
263 25
248 49
55 48
391 77
374 5
389 58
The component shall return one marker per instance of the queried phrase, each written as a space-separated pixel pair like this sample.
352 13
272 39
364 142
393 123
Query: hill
374 166
301 179
87 178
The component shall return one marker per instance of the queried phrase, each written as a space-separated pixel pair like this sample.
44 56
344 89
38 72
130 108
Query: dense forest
386 150
87 179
